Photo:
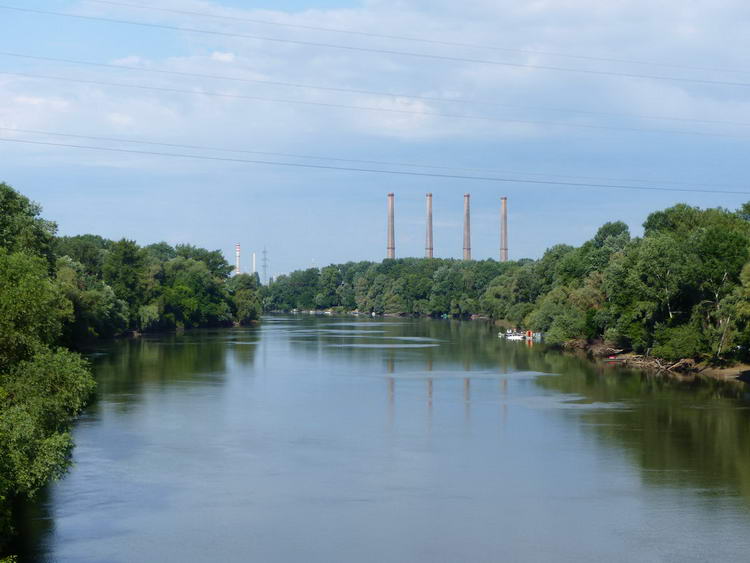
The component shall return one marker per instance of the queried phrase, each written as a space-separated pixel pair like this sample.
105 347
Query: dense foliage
58 293
42 386
120 286
680 291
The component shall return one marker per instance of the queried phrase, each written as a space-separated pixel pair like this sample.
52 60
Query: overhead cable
353 48
372 170
483 170
397 95
425 40
375 108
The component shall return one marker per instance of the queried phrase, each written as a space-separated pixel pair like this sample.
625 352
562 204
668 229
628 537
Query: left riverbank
58 295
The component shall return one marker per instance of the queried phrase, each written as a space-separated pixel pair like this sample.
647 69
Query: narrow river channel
320 439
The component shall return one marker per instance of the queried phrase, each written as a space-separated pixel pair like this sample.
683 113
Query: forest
58 295
682 290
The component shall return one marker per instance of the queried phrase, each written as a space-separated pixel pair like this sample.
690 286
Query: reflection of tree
191 357
448 344
681 433
697 431
34 519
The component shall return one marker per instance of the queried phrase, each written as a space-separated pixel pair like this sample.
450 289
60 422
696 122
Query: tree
213 259
244 291
97 312
160 252
328 284
87 250
125 272
21 228
41 387
663 269
192 296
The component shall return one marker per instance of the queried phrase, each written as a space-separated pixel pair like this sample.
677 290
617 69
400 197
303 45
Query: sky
575 92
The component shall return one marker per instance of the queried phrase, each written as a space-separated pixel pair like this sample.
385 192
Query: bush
676 343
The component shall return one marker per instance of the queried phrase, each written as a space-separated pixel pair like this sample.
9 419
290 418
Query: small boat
514 335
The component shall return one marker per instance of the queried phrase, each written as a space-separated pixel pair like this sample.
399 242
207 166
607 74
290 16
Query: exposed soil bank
684 368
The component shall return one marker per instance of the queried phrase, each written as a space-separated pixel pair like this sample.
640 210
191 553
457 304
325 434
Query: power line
350 160
376 108
412 39
379 51
361 91
373 170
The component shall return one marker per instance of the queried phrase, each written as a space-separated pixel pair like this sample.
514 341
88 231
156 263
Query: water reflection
190 358
692 434
392 440
696 430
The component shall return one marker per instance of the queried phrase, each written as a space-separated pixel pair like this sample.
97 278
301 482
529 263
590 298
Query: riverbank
685 367
596 350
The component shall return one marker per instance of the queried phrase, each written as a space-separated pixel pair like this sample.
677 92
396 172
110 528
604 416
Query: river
323 439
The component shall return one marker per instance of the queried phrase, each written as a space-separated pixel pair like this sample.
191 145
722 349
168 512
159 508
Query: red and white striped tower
237 258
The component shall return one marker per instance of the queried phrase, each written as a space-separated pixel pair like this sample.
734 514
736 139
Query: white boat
512 335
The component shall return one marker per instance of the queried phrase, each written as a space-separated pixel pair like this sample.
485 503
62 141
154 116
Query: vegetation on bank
682 290
59 293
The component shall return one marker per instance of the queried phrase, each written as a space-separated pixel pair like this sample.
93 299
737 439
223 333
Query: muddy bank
685 367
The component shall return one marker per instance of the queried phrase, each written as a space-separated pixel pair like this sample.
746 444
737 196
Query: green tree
193 296
244 291
125 272
41 387
21 228
97 312
213 259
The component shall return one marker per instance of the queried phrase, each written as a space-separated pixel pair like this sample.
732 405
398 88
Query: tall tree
125 272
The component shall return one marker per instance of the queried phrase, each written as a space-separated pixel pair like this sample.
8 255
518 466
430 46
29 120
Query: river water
320 439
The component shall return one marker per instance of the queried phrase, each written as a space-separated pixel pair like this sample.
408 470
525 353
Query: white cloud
41 103
526 33
222 57
638 30
119 119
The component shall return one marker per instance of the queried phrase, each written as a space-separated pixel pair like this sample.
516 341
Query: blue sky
306 216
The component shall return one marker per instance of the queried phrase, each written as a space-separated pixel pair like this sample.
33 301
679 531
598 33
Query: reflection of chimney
467 228
237 258
391 247
503 229
428 238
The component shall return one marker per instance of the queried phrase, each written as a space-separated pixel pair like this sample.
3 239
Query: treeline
58 293
118 286
682 290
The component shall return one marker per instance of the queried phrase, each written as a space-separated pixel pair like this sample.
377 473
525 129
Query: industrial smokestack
390 251
254 270
467 228
503 229
428 237
237 258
